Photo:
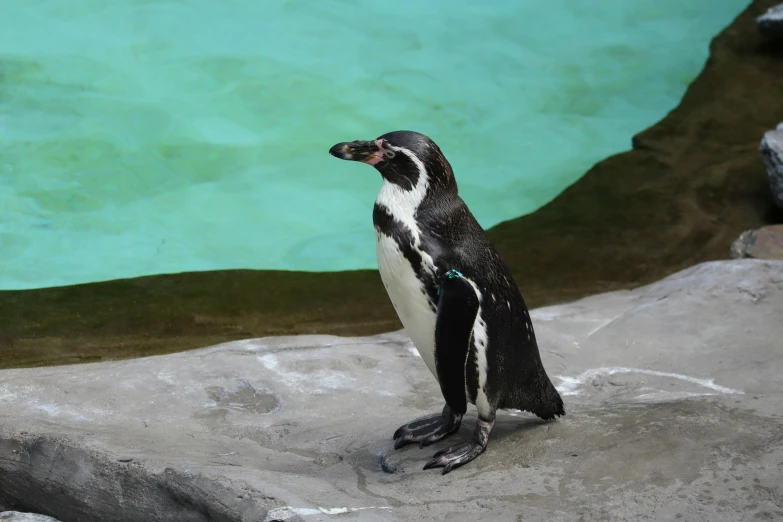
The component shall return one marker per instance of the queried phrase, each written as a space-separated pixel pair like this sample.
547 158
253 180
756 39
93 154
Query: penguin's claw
428 430
455 456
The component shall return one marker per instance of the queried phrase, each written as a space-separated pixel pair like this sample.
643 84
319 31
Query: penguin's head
402 157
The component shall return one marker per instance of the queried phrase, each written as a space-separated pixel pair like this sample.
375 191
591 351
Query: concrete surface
673 395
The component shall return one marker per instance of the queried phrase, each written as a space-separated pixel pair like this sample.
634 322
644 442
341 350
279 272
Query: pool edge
697 183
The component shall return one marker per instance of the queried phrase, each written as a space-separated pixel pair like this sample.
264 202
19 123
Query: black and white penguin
454 295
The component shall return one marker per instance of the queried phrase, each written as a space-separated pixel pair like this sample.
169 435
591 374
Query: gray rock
764 243
772 154
673 393
16 516
771 22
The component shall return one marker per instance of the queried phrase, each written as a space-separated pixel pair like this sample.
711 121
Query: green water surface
153 136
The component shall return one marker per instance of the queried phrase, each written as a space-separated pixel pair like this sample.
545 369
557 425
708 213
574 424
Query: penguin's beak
364 151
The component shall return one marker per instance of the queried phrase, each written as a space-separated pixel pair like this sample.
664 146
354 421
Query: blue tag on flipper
452 274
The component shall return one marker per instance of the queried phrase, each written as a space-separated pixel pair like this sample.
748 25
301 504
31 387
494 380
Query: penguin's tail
550 404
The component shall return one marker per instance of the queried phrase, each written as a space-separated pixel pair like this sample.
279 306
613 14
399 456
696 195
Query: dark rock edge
43 478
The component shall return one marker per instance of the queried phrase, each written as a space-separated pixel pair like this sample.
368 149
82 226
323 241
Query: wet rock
771 22
17 516
772 154
764 243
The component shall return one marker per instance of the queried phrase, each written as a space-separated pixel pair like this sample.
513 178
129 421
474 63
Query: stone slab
673 395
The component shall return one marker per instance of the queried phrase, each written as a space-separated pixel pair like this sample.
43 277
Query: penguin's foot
428 430
455 456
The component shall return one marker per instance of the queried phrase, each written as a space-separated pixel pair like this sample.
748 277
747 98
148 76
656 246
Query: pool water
153 136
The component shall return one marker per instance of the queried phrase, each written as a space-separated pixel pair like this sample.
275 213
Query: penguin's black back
515 374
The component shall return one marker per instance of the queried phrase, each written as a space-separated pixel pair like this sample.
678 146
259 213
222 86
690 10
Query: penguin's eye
389 154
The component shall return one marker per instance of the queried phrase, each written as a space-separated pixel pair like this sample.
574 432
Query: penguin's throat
401 203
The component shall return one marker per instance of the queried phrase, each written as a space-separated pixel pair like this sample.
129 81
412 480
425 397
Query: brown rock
764 243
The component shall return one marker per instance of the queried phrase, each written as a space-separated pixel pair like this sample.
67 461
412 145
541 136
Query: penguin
455 297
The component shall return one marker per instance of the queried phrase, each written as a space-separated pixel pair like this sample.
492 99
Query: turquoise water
142 136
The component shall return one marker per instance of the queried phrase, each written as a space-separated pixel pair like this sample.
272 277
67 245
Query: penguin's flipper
457 309
457 312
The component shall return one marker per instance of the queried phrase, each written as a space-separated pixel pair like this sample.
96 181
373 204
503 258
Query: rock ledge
672 391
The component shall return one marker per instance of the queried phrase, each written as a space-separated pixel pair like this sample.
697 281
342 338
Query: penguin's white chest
408 297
